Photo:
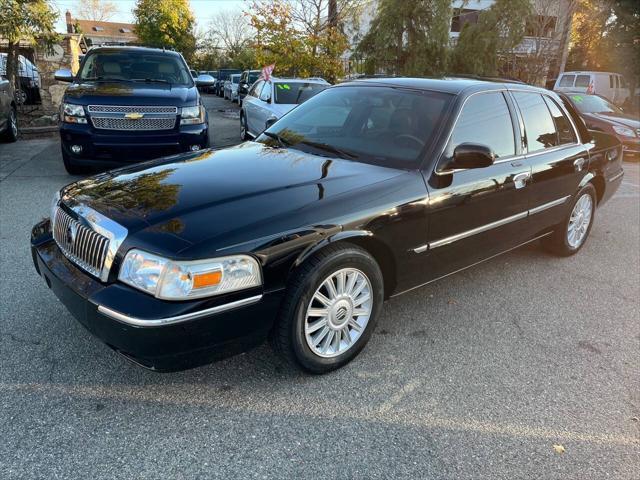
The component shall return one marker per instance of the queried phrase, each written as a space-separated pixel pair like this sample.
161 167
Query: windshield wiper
103 79
278 138
329 149
151 80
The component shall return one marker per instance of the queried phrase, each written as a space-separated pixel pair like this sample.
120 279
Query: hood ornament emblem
134 116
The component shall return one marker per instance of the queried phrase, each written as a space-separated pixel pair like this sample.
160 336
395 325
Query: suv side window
566 133
255 90
583 80
266 92
538 124
567 80
480 112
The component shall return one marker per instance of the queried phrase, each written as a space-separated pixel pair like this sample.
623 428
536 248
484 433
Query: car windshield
293 93
136 67
235 78
253 76
380 125
593 104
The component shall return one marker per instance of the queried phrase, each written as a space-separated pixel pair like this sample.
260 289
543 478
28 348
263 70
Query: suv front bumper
156 334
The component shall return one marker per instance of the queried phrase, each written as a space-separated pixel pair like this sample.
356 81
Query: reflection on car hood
235 195
617 118
130 93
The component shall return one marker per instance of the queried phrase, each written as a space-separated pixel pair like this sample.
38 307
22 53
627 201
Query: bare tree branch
95 10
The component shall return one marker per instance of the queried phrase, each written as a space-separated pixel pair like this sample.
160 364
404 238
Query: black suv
128 104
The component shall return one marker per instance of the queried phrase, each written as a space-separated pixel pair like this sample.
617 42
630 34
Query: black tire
244 133
288 336
558 242
11 133
70 166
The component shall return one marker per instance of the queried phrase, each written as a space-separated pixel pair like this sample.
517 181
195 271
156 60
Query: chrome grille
111 123
82 245
152 117
131 109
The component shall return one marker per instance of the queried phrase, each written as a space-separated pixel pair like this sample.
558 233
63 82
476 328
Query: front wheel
569 237
244 133
330 310
70 166
11 134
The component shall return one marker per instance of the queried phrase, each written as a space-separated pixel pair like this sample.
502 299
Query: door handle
578 163
520 180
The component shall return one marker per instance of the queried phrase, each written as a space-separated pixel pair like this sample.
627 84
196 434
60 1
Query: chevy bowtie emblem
134 116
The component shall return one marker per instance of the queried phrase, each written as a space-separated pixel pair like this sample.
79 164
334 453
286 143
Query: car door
558 161
478 212
263 107
250 106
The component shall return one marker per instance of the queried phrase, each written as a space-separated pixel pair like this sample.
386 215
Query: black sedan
368 190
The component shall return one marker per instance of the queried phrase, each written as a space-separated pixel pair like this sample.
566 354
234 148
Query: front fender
343 235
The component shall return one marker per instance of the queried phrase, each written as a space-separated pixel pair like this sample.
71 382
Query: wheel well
382 254
599 185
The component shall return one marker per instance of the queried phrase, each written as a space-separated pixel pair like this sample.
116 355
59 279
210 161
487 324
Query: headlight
192 115
624 131
175 280
73 113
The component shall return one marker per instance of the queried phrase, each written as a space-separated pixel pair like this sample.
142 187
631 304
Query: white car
268 100
231 87
611 86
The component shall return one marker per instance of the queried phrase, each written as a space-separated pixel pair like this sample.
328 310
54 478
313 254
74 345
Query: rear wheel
11 133
331 309
244 133
572 233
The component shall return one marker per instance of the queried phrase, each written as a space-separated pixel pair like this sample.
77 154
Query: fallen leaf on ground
558 448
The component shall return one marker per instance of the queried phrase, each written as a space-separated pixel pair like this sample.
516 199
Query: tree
31 21
166 23
232 29
496 34
95 10
588 46
288 43
408 37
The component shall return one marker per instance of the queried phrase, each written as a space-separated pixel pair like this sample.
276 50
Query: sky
203 10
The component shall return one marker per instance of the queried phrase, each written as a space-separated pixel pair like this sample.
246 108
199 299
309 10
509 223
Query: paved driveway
477 376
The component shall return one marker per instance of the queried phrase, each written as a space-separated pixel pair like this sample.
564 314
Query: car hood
616 119
225 197
130 93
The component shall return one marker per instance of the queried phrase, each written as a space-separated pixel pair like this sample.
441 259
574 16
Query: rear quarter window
567 80
583 80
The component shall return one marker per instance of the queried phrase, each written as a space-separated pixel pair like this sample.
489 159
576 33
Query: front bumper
114 148
156 334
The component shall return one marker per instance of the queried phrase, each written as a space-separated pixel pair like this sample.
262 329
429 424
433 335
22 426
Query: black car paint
282 205
112 148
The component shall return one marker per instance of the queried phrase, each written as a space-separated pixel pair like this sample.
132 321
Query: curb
26 133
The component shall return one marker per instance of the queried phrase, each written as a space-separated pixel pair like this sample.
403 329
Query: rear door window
566 133
610 81
583 80
479 112
255 90
567 80
539 126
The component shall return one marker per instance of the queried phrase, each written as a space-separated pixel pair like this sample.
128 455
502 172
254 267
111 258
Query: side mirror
472 155
270 122
205 81
63 75
243 88
265 99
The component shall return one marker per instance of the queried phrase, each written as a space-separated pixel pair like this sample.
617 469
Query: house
100 33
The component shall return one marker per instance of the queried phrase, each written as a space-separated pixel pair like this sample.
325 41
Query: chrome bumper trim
616 176
161 322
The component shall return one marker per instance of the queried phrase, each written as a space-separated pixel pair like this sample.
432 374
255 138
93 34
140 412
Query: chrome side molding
490 226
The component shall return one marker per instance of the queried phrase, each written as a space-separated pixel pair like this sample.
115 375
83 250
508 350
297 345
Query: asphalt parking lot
477 376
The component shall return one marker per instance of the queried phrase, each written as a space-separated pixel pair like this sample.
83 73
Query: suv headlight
178 280
73 113
624 131
192 115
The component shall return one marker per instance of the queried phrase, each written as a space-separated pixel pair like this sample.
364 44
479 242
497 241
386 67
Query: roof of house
90 28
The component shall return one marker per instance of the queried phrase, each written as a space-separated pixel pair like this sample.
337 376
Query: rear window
293 93
583 80
538 124
567 80
135 67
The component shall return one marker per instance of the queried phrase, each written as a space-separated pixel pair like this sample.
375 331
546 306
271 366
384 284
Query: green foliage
498 31
295 51
408 37
166 23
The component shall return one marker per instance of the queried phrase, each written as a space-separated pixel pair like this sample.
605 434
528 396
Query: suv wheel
70 166
330 310
11 133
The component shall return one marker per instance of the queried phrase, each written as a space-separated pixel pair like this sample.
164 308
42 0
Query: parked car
29 77
8 112
247 78
268 100
214 74
602 115
231 87
368 190
612 86
128 104
223 76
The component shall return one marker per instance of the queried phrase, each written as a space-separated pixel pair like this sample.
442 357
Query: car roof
126 48
588 72
294 79
453 85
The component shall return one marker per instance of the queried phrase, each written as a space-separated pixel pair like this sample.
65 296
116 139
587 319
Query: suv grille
83 246
114 117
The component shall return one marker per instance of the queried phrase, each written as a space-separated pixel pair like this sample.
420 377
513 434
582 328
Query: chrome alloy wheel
579 221
338 312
